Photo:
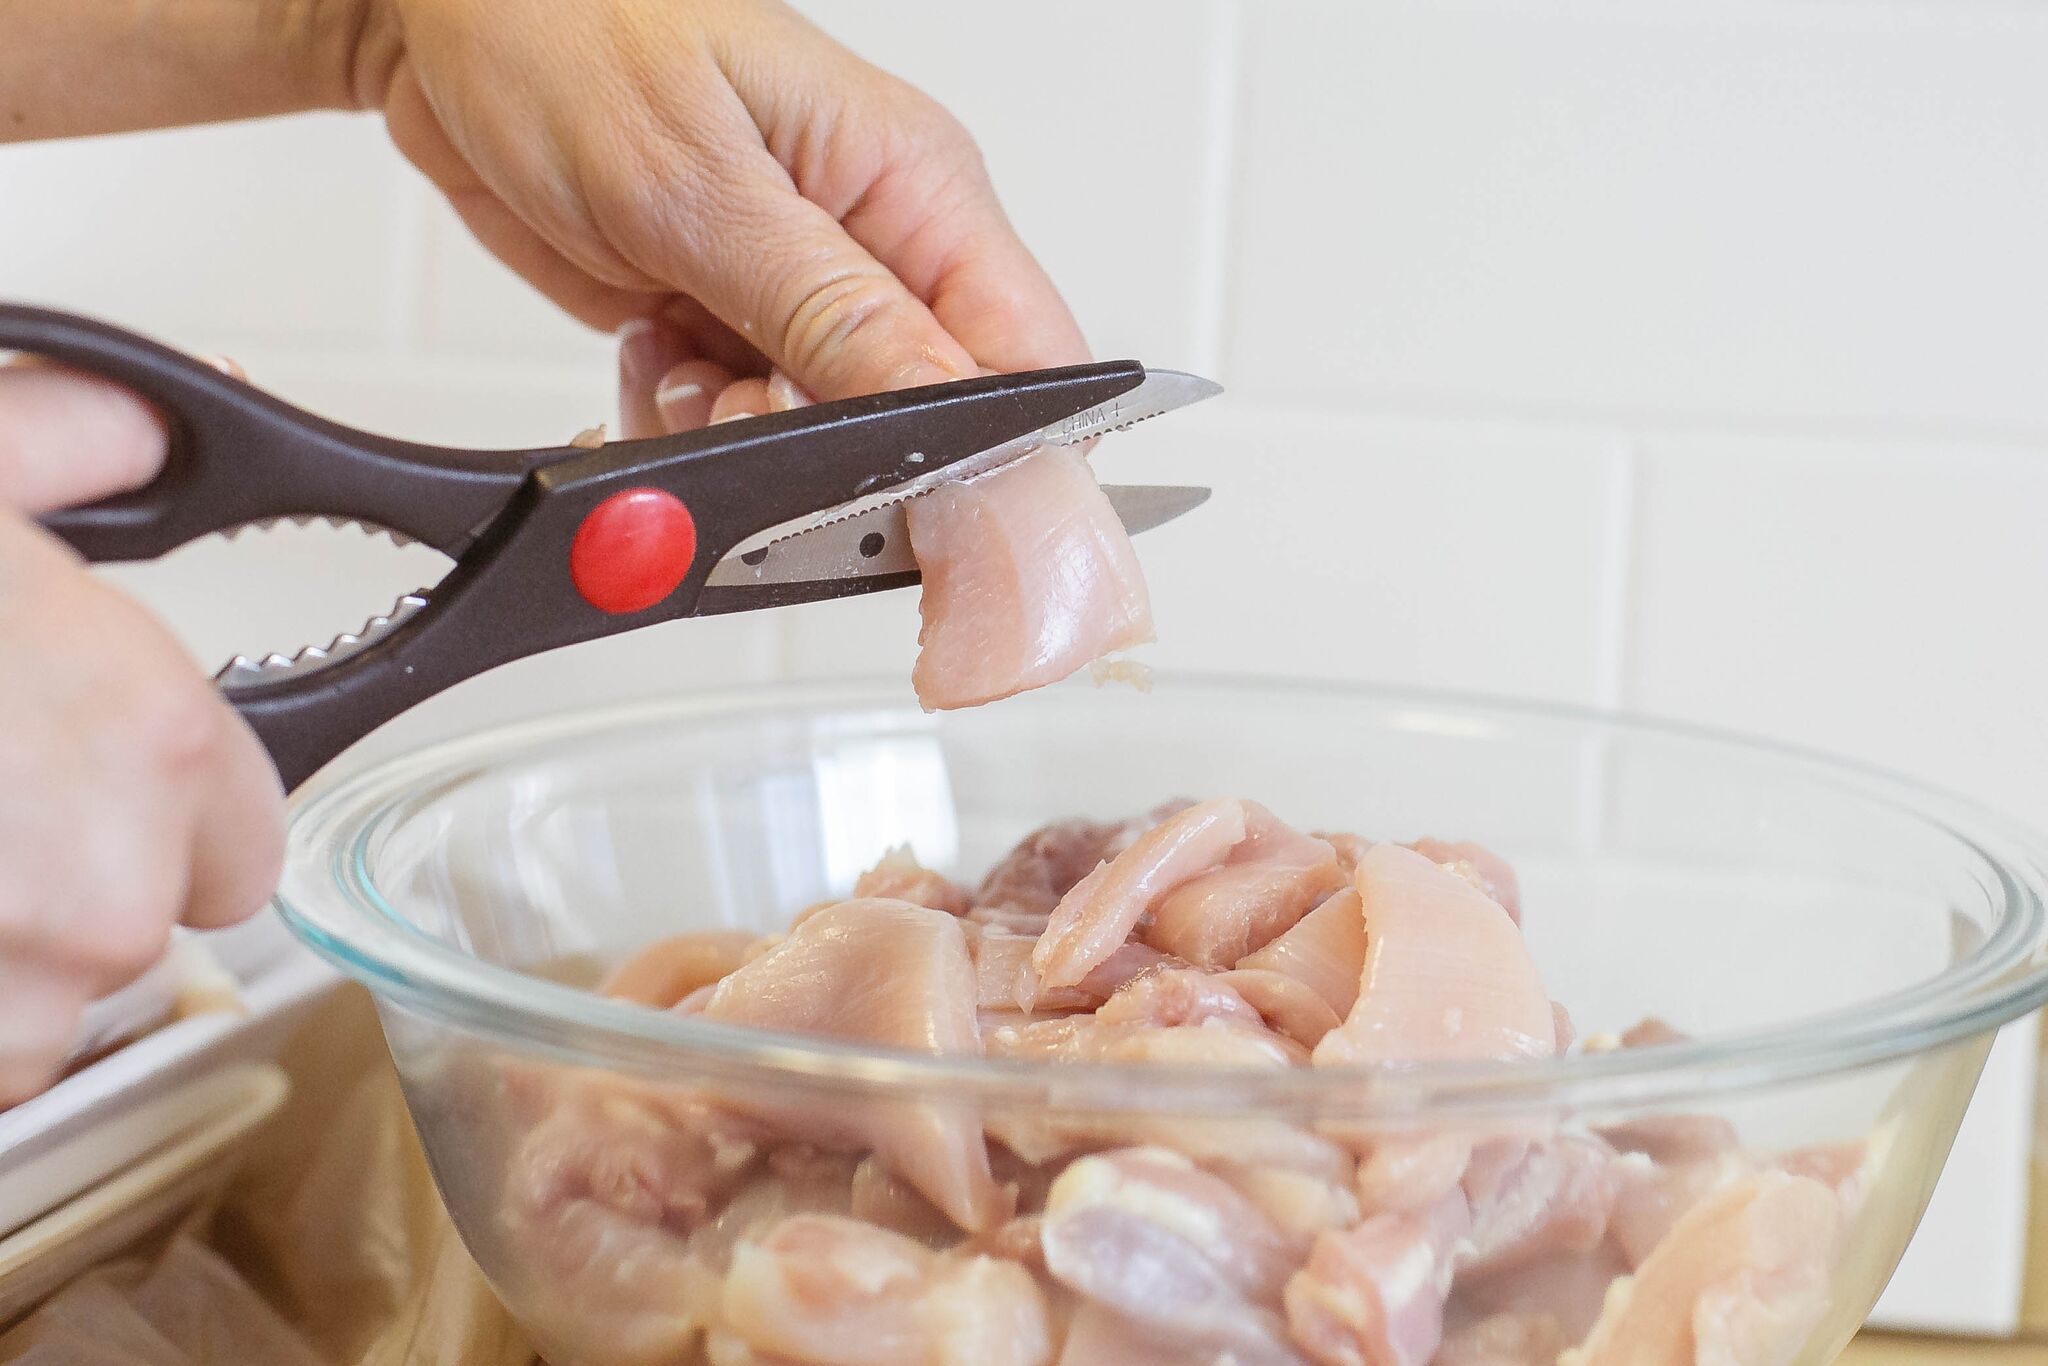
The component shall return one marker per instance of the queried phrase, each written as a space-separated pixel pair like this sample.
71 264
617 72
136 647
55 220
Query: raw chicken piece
1128 964
1177 996
1397 1172
1654 1195
1350 848
1848 1169
1536 1200
668 970
883 972
1028 576
901 877
1325 949
1571 1289
1005 981
1742 1279
655 1158
1374 1295
1672 1138
1249 1139
1652 1198
876 1195
1100 910
723 1349
603 1195
768 1198
1001 958
838 1292
1298 1203
1173 1250
1478 865
1046 863
1215 1041
1512 1339
1098 1337
1268 882
1447 975
1287 1004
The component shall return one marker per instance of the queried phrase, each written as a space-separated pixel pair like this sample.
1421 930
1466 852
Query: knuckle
934 134
828 315
174 724
126 940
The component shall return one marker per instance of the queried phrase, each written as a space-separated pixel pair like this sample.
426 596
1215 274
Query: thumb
784 274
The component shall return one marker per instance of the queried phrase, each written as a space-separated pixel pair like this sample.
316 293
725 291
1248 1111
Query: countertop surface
1888 1349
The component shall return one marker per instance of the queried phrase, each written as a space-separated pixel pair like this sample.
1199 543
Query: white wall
1688 356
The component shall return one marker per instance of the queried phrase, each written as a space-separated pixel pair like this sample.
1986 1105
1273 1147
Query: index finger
69 438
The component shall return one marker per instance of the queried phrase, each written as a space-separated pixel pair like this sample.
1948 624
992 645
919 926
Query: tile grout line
1620 563
1225 23
1616 616
411 268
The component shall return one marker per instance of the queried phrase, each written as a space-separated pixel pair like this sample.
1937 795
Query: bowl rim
329 899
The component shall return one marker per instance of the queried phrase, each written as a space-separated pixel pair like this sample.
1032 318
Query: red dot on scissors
632 550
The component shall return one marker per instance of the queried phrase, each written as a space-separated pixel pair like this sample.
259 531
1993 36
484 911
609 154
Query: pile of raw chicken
680 1223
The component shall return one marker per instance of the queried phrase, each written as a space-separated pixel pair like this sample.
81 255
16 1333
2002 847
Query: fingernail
742 398
643 348
784 393
684 398
227 365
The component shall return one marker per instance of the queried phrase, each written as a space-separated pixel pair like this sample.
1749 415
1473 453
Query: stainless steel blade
876 543
1161 391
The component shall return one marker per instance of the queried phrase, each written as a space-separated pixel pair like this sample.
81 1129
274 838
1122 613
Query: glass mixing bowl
1836 944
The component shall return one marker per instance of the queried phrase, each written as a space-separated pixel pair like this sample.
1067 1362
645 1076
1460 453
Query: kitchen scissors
562 544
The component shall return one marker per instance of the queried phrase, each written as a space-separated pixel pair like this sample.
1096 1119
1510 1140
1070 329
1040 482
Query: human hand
724 167
131 796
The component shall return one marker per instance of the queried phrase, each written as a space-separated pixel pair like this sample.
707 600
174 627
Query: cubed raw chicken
901 877
761 1229
1447 975
670 969
1267 883
840 1292
1743 1277
1099 912
883 972
1324 950
1173 1250
1511 1339
1478 865
605 1193
1044 866
1374 1295
1532 1201
1028 577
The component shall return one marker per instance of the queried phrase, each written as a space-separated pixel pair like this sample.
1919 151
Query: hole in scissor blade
871 544
754 557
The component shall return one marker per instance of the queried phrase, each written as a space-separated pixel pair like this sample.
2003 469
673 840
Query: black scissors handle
238 455
549 544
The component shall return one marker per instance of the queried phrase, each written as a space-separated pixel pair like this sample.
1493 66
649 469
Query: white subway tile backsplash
483 402
1744 211
1873 598
1334 547
239 236
1094 121
474 306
